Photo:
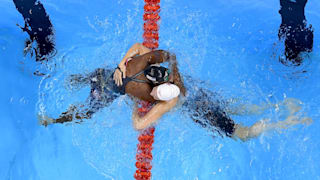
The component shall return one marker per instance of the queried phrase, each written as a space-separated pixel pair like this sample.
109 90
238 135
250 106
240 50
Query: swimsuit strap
136 75
139 81
133 78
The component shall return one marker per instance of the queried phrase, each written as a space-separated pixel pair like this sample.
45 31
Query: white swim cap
167 91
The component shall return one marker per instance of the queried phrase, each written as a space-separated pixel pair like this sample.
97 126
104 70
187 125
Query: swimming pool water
230 45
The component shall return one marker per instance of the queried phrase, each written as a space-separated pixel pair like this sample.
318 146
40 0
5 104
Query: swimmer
38 26
140 76
293 29
208 113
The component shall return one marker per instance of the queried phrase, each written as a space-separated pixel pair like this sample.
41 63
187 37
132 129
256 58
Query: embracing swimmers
141 77
138 75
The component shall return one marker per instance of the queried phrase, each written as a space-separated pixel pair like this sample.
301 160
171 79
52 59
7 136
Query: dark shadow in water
297 36
38 27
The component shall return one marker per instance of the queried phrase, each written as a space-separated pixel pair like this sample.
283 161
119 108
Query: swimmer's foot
261 126
45 120
292 105
28 47
307 121
292 121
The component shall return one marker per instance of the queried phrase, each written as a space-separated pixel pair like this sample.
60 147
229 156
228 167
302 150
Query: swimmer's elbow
137 122
139 126
137 45
142 123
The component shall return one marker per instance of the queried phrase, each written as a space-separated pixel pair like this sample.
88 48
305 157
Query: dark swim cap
157 74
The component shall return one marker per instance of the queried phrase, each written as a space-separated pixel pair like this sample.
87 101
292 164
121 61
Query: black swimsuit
104 89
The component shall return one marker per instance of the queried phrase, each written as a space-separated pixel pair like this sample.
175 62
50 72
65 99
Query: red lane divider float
149 35
152 17
151 8
144 150
150 27
146 138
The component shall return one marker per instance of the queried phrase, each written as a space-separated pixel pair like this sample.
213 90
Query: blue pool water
230 45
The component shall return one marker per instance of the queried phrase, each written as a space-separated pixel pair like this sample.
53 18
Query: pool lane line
146 137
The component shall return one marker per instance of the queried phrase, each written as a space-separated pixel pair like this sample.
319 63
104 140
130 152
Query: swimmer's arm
160 56
153 115
136 49
175 76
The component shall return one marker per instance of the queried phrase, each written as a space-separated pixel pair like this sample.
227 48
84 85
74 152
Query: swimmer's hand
123 69
119 73
117 77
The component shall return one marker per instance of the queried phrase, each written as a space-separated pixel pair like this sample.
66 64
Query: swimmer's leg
291 104
244 133
248 109
76 81
73 113
78 113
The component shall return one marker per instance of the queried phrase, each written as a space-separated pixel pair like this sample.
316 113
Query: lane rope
146 137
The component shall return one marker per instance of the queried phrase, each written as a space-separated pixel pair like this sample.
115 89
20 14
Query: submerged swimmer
208 113
298 37
39 28
139 76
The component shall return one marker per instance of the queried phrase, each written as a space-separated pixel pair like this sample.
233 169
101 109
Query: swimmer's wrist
119 69
122 62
